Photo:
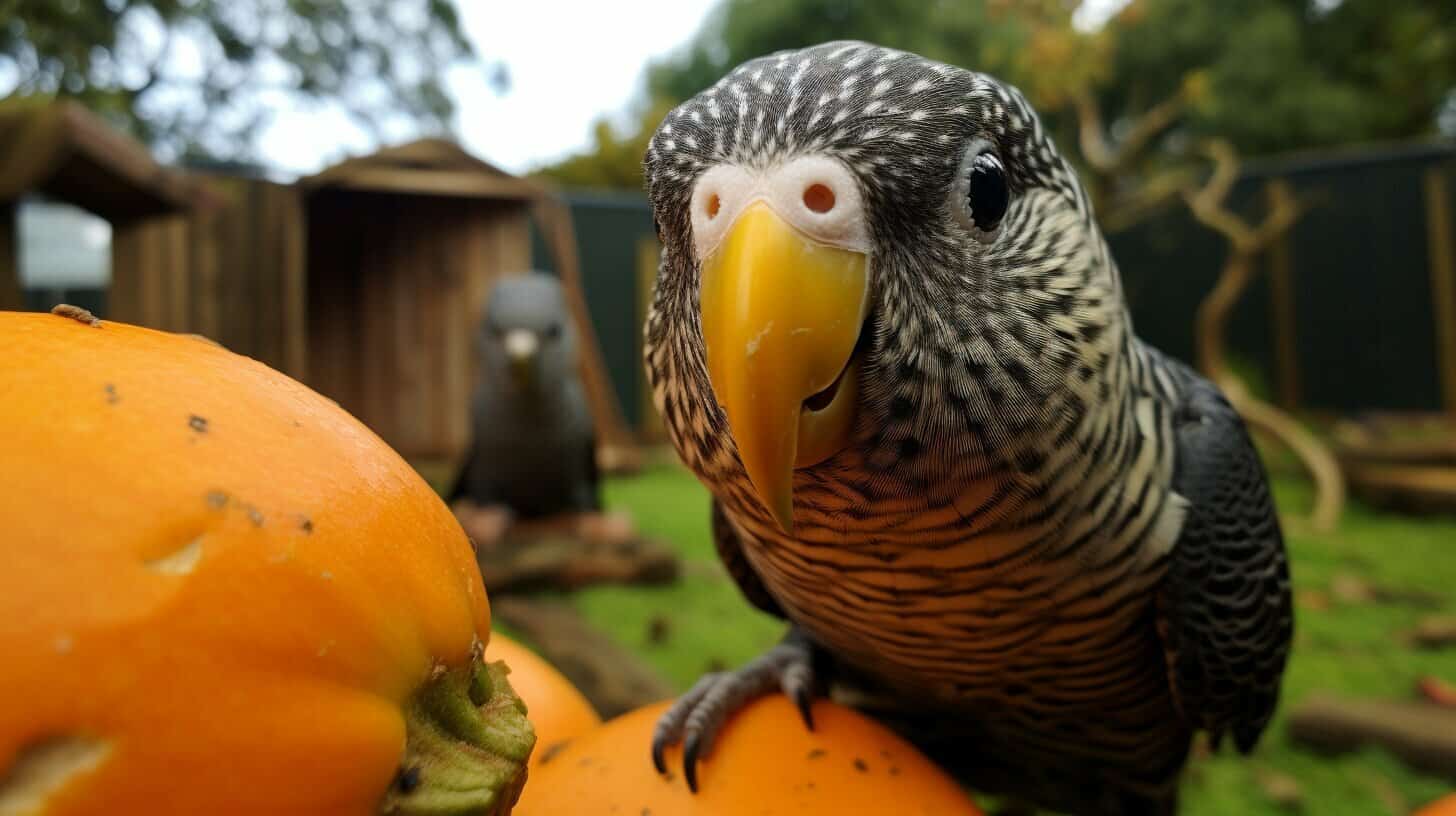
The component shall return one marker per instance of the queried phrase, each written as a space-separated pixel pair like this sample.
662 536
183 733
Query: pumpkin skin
557 709
764 762
219 587
1445 806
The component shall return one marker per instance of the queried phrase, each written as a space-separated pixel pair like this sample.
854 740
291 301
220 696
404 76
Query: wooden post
1281 295
1442 259
11 297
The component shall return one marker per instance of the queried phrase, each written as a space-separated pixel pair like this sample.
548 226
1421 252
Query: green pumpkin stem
467 740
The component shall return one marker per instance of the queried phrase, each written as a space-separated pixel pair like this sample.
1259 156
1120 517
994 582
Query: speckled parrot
888 336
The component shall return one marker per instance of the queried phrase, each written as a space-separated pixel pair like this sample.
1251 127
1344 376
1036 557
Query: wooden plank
205 295
11 298
409 261
266 241
445 316
176 235
123 298
1442 258
293 283
149 273
1281 294
435 182
375 362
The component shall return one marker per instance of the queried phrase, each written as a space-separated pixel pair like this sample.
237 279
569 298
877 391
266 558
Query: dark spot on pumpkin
305 524
552 750
860 765
894 770
816 753
197 423
254 515
408 779
216 499
77 314
112 397
583 762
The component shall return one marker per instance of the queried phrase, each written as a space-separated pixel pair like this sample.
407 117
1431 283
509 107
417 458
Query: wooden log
613 679
1421 734
567 553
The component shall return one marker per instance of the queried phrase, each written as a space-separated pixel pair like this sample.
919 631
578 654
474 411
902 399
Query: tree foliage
1264 75
200 76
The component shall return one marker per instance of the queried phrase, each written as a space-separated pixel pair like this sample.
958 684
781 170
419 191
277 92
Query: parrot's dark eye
986 193
553 331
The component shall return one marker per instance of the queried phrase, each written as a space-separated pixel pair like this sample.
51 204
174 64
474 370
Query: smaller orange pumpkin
555 707
764 762
1445 806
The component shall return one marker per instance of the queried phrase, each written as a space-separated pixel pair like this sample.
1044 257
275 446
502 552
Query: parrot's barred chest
993 539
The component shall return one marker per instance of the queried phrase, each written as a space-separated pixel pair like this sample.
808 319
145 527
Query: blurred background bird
533 444
889 337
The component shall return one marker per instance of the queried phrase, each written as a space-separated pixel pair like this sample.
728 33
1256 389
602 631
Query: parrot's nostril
819 198
713 205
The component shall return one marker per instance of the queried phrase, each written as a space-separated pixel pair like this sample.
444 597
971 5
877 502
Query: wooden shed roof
68 153
434 167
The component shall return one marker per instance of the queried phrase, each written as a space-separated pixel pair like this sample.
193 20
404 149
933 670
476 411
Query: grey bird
888 335
533 446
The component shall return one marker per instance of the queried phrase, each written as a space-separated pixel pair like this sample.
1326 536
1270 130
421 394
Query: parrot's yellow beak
781 317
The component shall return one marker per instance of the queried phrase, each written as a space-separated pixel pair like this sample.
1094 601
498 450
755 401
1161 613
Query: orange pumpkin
222 594
1445 806
764 762
558 710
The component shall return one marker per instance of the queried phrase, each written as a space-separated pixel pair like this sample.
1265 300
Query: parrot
533 445
888 336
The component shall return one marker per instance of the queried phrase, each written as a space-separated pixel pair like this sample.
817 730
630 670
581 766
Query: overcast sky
570 62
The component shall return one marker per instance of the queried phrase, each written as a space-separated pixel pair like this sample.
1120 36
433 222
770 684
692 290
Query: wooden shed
403 246
62 151
364 281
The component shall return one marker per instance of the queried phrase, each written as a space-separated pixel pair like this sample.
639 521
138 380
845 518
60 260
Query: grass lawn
1344 646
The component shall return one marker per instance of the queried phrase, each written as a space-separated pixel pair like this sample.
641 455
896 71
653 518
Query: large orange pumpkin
557 709
222 594
764 762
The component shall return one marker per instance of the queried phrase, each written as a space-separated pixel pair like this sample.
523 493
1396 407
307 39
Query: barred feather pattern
992 540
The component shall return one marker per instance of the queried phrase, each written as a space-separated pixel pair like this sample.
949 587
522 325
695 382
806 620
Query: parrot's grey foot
695 718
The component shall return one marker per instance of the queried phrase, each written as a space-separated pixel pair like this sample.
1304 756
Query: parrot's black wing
730 552
1224 611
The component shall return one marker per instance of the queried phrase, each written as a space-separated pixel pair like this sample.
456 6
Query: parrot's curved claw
695 718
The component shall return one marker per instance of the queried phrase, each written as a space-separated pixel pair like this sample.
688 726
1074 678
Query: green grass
1342 647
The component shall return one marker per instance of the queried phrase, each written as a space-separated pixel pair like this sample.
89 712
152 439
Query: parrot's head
526 342
872 262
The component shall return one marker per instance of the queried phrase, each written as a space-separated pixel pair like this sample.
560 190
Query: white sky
570 62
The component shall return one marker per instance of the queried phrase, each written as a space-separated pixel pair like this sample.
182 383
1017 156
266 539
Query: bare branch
1100 155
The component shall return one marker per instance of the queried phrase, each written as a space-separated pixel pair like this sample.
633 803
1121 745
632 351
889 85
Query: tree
1264 75
199 77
